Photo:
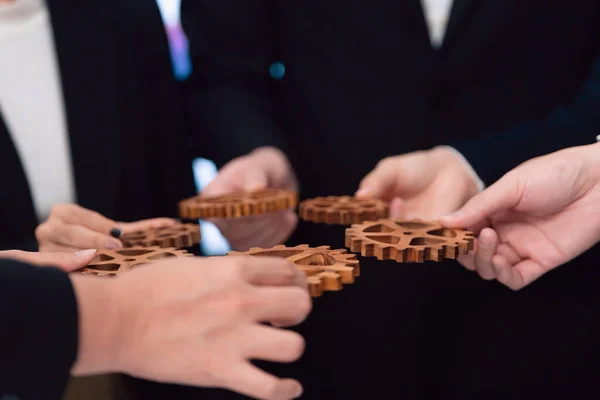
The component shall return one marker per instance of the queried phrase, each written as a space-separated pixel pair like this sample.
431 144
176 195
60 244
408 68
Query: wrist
99 325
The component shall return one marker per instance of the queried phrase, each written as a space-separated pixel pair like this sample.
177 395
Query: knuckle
269 389
59 209
239 303
42 231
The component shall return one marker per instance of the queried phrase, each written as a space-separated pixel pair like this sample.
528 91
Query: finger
520 275
68 262
501 196
76 215
80 237
284 304
265 343
146 224
224 183
255 179
256 383
396 208
272 271
468 260
506 273
379 183
509 253
50 247
488 243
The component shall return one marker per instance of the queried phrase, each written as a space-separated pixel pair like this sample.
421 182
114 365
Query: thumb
67 262
255 179
499 197
379 183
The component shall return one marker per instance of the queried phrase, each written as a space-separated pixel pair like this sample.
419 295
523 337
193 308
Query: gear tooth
435 253
357 246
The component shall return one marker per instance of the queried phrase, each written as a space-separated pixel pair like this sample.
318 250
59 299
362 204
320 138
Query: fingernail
85 253
113 244
115 232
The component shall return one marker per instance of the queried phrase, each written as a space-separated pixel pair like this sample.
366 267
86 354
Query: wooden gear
118 262
342 210
239 204
178 236
326 269
408 241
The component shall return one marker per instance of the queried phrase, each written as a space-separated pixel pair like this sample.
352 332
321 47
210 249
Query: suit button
277 70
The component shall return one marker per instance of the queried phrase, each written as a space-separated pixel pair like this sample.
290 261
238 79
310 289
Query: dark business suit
513 80
38 331
127 132
124 117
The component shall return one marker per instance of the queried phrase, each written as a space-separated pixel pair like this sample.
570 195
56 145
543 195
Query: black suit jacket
38 331
513 80
124 115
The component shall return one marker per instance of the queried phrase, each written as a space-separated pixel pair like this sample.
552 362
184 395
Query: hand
70 228
197 322
68 262
265 167
538 216
420 185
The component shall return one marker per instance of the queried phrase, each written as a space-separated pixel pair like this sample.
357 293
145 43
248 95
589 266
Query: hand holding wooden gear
240 204
408 241
342 210
326 269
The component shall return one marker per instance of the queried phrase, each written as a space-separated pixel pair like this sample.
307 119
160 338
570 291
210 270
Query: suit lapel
85 40
17 215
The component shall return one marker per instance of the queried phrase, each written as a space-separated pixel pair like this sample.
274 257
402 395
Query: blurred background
213 243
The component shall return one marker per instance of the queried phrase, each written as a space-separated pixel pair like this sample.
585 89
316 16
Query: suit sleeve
574 124
38 331
230 94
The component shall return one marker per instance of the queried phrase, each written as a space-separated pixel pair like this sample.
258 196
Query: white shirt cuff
598 138
468 167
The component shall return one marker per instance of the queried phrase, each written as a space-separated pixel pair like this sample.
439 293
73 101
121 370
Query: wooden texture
408 241
178 236
342 210
325 269
118 262
240 204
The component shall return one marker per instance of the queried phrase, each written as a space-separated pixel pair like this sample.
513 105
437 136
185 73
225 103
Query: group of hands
229 310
